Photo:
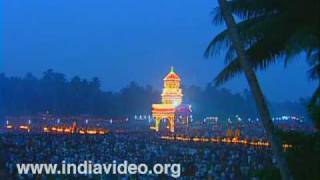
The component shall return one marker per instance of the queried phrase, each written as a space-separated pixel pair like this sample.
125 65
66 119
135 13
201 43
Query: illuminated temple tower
171 98
171 93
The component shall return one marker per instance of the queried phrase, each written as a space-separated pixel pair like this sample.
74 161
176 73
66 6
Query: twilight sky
125 40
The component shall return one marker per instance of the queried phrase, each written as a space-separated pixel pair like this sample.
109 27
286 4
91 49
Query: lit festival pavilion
171 105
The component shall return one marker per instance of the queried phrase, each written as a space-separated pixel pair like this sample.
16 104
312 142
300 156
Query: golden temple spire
172 69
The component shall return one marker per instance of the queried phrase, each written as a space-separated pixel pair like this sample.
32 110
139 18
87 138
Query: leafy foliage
54 93
269 29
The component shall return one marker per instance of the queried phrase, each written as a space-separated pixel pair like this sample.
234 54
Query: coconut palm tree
271 30
246 65
314 104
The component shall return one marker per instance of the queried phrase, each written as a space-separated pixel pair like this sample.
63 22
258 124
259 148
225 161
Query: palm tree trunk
256 91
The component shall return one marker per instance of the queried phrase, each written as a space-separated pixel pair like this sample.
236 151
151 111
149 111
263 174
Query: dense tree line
221 102
54 93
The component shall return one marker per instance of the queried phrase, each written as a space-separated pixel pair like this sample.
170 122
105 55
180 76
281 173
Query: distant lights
141 117
23 127
71 130
229 120
211 119
286 118
9 126
222 140
175 103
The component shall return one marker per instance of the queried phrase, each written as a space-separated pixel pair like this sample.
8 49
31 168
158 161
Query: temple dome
172 76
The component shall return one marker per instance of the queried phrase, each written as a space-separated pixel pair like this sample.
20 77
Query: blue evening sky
127 40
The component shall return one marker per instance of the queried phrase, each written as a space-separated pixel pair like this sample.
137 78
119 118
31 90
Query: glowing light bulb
175 103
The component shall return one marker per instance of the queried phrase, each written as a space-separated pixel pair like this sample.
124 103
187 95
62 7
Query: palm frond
220 41
314 71
250 32
315 97
262 54
268 29
217 16
250 9
301 40
230 55
232 69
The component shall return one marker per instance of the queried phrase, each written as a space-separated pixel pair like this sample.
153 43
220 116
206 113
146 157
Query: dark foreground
198 160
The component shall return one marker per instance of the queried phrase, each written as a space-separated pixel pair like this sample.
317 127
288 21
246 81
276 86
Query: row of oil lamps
223 140
63 130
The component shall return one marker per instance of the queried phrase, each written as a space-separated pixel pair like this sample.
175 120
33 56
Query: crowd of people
198 160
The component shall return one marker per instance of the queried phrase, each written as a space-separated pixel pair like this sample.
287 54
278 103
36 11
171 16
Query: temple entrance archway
170 121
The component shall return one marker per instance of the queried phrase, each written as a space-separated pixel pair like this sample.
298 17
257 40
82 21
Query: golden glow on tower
172 93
